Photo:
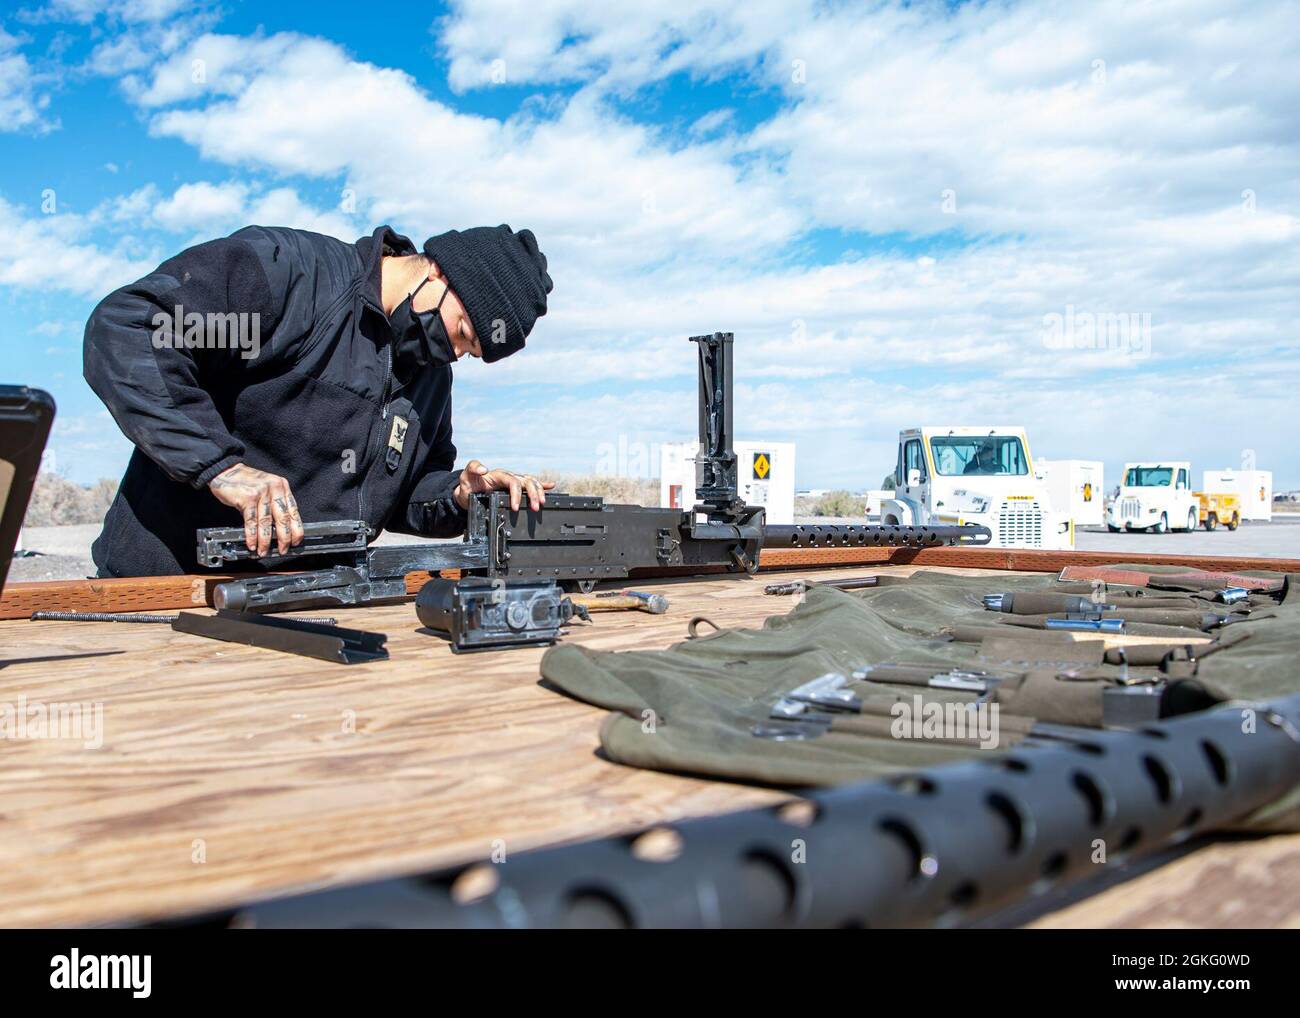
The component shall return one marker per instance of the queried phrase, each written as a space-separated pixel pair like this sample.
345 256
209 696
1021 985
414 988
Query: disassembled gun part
477 613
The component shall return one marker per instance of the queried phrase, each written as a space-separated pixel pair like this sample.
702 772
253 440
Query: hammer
622 600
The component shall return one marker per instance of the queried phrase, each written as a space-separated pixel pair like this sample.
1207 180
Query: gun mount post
716 478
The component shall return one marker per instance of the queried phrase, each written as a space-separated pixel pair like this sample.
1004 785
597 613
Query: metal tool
968 680
292 636
139 617
1132 704
1133 701
1059 603
1087 625
1195 580
792 720
1231 595
1205 621
829 691
795 716
811 709
800 586
622 600
788 709
778 731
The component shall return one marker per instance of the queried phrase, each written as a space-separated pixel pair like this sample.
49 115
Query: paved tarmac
1278 539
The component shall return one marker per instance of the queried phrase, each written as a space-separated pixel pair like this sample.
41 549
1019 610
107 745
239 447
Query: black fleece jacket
309 391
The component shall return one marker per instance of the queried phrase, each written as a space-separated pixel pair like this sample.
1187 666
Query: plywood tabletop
227 773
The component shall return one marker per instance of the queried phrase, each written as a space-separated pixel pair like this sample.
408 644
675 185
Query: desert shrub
610 487
56 501
840 503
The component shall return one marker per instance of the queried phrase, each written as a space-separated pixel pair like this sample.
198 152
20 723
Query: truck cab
1155 496
974 474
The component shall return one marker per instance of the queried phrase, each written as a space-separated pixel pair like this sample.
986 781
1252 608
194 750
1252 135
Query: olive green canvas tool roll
695 706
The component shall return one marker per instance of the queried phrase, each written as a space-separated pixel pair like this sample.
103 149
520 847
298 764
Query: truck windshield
1148 477
978 455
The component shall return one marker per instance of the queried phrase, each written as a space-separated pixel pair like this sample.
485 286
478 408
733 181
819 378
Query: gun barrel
879 854
833 535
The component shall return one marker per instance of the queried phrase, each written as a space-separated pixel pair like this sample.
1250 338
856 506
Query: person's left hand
476 479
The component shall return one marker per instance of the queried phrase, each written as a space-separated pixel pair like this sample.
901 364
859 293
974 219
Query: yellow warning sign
1087 492
762 466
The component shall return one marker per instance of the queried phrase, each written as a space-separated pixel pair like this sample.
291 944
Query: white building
765 475
1076 487
1253 487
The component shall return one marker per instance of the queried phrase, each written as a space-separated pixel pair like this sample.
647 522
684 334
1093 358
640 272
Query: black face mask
420 337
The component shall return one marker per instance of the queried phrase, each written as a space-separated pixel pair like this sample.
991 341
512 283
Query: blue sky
893 206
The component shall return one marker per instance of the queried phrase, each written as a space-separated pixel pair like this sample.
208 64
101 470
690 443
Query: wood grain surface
1232 883
227 772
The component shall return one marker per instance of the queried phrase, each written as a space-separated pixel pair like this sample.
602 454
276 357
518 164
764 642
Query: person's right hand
265 502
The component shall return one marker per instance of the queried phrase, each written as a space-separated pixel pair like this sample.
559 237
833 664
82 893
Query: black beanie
500 277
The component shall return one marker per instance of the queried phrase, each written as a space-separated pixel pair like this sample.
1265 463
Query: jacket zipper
385 402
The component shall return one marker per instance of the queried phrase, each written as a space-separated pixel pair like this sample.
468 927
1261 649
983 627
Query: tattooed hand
476 478
266 502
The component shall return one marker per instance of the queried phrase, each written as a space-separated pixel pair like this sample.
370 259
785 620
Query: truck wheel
1236 522
1191 520
1212 522
1163 526
1112 529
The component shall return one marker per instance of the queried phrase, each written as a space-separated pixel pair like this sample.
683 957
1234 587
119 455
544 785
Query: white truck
1155 496
984 475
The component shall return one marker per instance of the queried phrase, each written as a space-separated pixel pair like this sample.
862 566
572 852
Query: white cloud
22 105
58 328
201 206
599 190
1029 112
203 210
1108 158
129 11
49 253
221 65
59 253
615 44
